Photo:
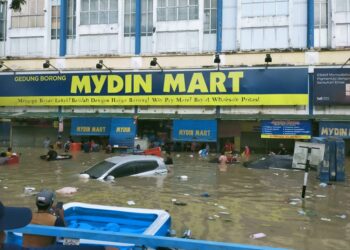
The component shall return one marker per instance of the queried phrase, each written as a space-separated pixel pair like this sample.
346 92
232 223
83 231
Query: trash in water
210 218
320 196
216 216
322 184
67 190
29 189
222 207
341 216
84 176
293 203
187 234
205 195
177 155
186 194
180 203
183 177
226 213
172 233
5 187
173 200
276 174
131 203
301 212
325 219
257 236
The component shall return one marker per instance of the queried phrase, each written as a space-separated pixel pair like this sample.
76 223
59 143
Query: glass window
342 5
252 8
147 18
71 18
30 16
129 18
55 22
175 10
99 12
210 10
320 14
3 8
126 169
99 169
145 166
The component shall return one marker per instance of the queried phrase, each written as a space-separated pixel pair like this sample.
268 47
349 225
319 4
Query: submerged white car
127 165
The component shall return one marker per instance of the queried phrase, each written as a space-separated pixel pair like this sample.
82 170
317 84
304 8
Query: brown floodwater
240 201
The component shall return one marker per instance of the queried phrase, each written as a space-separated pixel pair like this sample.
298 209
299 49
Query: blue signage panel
195 130
337 129
90 126
332 86
281 129
288 86
123 132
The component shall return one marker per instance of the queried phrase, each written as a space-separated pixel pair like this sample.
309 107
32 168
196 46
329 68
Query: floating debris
205 195
222 212
257 236
320 196
180 203
67 190
222 207
322 184
325 219
341 216
131 203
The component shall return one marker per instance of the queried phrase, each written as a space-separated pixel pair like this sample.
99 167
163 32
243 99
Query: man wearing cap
11 218
43 216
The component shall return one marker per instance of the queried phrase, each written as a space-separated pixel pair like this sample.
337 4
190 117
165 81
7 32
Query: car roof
126 158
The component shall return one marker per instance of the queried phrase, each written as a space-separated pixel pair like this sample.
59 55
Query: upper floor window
320 14
3 7
55 20
71 19
342 5
129 17
176 10
210 10
254 8
30 16
99 12
147 18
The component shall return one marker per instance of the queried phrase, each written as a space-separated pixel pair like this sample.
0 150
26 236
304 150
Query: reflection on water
240 201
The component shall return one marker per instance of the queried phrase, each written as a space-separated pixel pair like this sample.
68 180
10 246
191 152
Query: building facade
184 36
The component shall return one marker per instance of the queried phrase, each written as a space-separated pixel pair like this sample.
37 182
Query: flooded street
223 204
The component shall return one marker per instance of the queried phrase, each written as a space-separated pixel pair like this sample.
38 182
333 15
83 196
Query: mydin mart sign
170 88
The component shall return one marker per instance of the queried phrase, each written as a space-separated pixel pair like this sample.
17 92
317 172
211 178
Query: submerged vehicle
110 218
271 161
127 165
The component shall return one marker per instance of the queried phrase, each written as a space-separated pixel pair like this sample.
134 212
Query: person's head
44 199
9 149
13 217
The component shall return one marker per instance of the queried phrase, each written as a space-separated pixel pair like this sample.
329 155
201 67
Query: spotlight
268 59
100 65
47 65
217 60
155 63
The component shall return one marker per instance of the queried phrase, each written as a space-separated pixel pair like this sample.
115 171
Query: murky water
241 201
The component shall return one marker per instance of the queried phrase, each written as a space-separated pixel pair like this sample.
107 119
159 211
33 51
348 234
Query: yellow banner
159 100
301 137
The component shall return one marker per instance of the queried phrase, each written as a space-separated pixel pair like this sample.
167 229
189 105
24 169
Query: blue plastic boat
111 219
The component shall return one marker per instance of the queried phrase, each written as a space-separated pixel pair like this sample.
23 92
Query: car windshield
99 169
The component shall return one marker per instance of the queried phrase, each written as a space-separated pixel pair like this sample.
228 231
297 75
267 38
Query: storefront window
3 7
